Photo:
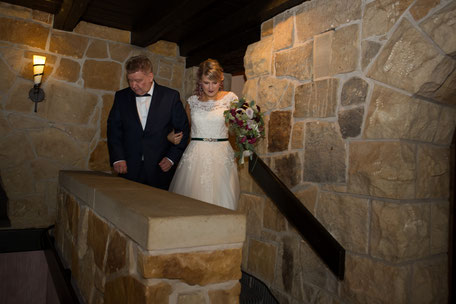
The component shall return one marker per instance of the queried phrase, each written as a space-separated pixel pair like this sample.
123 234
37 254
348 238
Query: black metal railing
319 239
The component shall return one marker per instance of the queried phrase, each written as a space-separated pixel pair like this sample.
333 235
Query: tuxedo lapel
153 113
132 108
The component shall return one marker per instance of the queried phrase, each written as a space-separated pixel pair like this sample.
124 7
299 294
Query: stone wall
83 70
360 110
141 250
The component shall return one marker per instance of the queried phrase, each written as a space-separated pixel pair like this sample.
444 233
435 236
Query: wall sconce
36 94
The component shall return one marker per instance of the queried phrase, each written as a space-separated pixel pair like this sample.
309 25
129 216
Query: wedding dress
207 170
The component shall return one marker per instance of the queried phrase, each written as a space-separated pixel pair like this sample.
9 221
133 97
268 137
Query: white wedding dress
207 171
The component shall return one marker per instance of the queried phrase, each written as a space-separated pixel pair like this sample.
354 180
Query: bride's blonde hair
212 69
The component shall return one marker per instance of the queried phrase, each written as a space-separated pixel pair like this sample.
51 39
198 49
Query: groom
138 124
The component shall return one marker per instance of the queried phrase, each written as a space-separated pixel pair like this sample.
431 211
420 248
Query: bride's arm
176 138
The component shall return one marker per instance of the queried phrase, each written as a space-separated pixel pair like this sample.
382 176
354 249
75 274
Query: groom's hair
138 63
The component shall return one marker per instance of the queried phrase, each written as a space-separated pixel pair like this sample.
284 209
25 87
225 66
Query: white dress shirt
143 104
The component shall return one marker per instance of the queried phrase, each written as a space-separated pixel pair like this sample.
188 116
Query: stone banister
130 243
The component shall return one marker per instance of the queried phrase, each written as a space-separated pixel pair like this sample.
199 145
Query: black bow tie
145 95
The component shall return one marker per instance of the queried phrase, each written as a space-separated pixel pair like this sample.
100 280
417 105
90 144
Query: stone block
18 100
354 91
369 49
283 30
315 17
165 69
441 28
225 295
295 62
97 238
11 144
273 219
446 93
347 219
422 7
201 268
250 90
31 34
82 133
128 289
297 135
103 32
430 281
97 49
68 44
271 93
324 154
313 271
395 115
262 260
30 211
165 48
101 75
344 50
267 28
68 70
433 172
350 122
252 206
279 131
258 58
288 168
401 65
117 252
446 127
119 52
7 78
23 122
177 81
99 158
382 169
316 99
15 10
197 297
440 219
17 180
42 16
322 51
370 281
400 232
55 144
380 16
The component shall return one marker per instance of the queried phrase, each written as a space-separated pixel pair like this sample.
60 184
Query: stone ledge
155 219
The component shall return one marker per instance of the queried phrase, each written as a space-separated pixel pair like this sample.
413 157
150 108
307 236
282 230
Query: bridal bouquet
245 121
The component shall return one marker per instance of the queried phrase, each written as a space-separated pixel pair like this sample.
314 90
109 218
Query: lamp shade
38 68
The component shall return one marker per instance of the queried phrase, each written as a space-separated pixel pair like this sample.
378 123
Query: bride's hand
175 138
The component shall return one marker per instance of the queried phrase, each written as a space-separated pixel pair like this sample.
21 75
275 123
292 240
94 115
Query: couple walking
149 132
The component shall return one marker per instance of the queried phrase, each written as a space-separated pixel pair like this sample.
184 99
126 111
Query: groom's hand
165 164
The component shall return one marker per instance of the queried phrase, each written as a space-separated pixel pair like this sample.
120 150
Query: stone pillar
130 243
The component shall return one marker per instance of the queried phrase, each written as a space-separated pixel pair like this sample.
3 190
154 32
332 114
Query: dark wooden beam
70 14
168 22
253 14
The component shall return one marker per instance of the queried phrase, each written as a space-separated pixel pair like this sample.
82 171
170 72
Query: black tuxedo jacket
128 141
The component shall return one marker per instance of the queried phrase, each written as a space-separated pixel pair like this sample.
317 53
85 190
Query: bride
207 170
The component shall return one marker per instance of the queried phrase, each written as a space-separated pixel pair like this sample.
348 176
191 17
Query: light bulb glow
38 68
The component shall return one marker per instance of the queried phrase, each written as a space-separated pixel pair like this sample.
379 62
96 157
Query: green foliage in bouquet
245 121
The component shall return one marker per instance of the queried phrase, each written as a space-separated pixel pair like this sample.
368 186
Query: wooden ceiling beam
252 15
168 22
70 13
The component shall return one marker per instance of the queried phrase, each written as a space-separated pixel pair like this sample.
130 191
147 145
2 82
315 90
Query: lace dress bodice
207 116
